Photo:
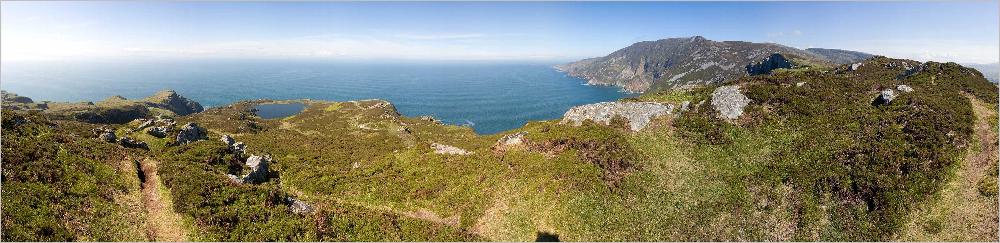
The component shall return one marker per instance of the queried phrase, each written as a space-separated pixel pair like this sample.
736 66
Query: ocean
488 96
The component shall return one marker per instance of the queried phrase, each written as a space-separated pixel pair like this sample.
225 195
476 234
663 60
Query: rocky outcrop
170 100
9 97
884 97
637 114
160 132
729 102
238 148
190 132
510 141
448 149
128 142
775 61
106 135
258 169
298 206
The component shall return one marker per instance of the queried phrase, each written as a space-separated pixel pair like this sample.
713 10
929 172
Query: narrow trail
962 213
163 224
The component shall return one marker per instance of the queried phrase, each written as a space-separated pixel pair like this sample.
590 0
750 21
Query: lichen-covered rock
510 141
191 132
448 149
686 105
106 135
638 114
884 97
856 66
233 145
904 88
128 142
729 102
160 132
258 169
298 206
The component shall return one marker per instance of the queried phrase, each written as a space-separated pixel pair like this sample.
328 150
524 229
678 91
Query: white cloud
932 50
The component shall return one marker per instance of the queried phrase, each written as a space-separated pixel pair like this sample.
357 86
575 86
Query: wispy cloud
441 36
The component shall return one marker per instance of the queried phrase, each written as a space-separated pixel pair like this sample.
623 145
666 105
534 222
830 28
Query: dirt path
962 213
163 224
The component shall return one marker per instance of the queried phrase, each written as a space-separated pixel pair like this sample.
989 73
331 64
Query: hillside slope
683 62
802 154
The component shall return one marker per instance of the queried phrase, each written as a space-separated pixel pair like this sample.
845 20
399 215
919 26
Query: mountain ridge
690 61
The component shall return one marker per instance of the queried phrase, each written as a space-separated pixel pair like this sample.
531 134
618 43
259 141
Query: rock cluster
729 102
238 148
638 114
191 132
888 95
160 132
448 149
128 142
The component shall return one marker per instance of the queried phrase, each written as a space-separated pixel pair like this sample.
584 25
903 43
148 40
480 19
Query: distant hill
840 56
991 70
682 62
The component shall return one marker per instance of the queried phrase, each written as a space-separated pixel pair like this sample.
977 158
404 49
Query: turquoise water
489 96
274 111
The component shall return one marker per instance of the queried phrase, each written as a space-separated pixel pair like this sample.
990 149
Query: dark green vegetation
815 161
61 185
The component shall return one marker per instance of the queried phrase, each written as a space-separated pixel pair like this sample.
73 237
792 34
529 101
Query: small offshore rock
298 206
904 88
128 142
258 169
729 102
448 149
638 114
160 132
191 132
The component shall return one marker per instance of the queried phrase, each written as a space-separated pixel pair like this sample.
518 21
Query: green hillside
813 157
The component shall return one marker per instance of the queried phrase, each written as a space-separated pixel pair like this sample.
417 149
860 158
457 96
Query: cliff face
683 62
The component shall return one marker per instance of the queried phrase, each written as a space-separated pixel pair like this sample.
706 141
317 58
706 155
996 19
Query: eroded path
962 212
162 223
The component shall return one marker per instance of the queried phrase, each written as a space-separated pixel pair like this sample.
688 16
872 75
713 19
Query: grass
816 162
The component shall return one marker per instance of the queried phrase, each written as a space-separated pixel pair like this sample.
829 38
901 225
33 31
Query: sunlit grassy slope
815 161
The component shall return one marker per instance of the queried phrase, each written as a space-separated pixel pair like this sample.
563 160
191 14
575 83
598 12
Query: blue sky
942 31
